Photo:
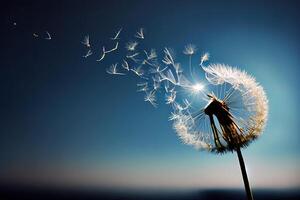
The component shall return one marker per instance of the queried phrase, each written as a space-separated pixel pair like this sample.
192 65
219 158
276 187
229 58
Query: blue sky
65 121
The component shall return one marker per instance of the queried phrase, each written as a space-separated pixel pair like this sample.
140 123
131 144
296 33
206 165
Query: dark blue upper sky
64 120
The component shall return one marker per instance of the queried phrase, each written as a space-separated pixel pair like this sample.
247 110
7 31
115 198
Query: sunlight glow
197 87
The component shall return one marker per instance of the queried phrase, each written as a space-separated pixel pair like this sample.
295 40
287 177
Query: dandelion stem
244 173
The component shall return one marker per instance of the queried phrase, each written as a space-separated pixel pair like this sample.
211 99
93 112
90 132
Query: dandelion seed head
231 119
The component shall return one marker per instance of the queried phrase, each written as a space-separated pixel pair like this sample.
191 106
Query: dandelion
131 46
113 70
236 115
223 115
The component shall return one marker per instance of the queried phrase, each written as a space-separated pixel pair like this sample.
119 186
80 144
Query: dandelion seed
157 69
113 49
86 41
48 36
125 65
168 59
103 55
236 130
236 106
204 57
168 75
167 86
142 87
131 46
116 37
138 71
156 84
189 49
173 116
151 98
140 34
170 98
35 35
187 104
177 68
133 57
151 55
88 53
178 107
113 70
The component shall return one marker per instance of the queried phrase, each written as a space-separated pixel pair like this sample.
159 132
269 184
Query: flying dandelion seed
113 49
204 57
113 70
116 37
140 34
131 46
125 65
236 116
48 36
142 87
150 55
35 35
151 98
190 50
88 53
86 41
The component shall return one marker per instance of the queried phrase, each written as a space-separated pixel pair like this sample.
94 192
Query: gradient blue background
66 122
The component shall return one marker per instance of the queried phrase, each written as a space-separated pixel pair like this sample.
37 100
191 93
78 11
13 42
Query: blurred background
68 127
